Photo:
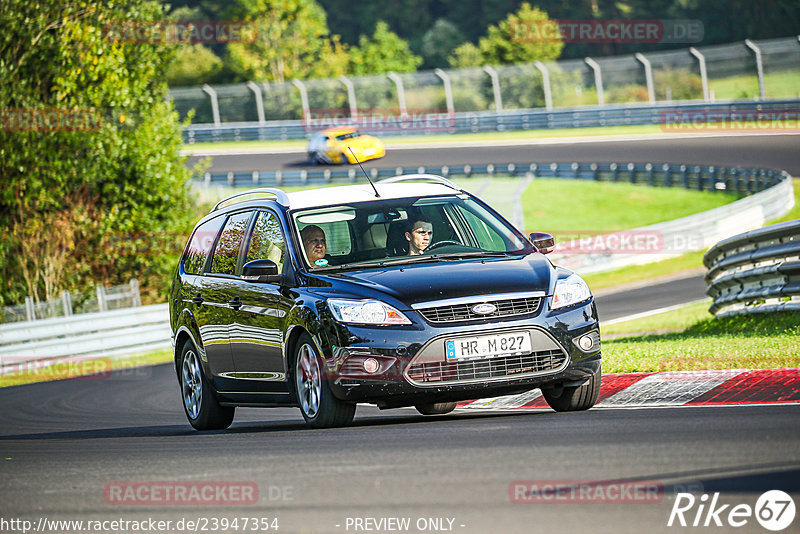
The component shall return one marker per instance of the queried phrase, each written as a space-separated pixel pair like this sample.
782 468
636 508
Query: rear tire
436 408
319 407
199 402
575 398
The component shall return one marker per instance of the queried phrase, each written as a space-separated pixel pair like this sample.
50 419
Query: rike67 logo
774 510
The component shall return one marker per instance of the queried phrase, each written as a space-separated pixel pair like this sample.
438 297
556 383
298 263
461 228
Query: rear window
200 245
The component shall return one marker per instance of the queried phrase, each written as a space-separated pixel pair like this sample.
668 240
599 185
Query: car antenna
365 172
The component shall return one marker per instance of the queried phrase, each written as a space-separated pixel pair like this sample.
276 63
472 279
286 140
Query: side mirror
261 271
545 243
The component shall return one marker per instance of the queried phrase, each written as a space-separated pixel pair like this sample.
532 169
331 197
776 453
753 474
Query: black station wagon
408 292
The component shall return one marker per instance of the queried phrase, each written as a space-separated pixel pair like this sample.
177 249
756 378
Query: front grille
490 368
463 312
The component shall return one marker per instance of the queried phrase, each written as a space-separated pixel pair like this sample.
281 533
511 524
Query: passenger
313 242
419 236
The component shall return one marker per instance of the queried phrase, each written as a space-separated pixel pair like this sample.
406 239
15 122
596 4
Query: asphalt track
756 150
62 443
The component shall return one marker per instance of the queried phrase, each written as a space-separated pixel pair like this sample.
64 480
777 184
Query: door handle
197 300
235 303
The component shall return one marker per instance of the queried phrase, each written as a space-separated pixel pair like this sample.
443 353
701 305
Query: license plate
487 346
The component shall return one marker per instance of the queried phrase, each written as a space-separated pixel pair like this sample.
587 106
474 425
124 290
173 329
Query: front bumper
399 351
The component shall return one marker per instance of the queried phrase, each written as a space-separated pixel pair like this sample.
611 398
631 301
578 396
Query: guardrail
678 117
755 272
92 334
696 177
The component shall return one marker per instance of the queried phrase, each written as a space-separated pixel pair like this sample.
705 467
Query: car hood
411 284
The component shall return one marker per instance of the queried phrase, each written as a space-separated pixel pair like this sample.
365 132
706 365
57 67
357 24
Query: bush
78 196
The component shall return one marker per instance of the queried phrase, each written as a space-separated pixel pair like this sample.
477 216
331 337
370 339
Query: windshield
401 231
351 135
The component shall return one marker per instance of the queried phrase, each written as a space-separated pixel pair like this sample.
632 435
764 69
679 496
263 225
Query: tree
518 39
292 41
465 55
193 65
439 42
88 150
383 52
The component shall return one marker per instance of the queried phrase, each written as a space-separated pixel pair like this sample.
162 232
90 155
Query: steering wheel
441 244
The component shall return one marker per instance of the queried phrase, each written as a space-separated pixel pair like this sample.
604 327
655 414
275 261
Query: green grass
93 366
776 85
562 207
759 341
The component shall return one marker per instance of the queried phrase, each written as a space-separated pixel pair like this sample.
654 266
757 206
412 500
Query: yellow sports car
332 146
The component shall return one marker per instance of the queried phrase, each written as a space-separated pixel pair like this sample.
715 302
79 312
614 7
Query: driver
419 236
313 242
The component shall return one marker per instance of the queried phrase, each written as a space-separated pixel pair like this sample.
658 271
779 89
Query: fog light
586 343
371 365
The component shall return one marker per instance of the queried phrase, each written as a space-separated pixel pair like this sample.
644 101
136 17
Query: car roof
339 130
332 196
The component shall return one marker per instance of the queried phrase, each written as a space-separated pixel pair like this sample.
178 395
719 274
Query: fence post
448 91
351 95
212 94
759 66
401 93
101 298
136 296
303 99
667 175
30 311
498 98
598 79
66 299
548 95
648 76
701 62
259 101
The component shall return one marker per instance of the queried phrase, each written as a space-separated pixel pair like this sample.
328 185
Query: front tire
574 398
199 403
436 408
319 407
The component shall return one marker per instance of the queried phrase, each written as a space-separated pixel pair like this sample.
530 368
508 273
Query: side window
267 242
200 245
230 240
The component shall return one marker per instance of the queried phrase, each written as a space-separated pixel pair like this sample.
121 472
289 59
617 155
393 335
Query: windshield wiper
473 254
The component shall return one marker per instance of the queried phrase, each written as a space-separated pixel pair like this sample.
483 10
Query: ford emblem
484 308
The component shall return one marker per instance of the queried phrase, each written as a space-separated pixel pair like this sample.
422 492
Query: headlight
365 312
570 290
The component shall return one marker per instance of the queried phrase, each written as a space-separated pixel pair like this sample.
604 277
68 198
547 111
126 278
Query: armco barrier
755 272
671 115
92 334
695 177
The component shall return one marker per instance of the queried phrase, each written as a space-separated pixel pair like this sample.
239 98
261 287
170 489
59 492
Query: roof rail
280 196
432 177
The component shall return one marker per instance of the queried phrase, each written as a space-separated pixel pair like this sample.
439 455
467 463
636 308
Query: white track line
649 313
